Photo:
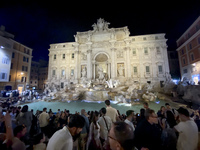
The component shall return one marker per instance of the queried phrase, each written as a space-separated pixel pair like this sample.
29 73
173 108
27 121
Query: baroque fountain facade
108 63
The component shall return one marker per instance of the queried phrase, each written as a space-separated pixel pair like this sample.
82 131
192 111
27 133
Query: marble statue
121 70
84 72
101 25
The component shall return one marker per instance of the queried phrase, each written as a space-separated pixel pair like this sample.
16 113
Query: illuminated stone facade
120 56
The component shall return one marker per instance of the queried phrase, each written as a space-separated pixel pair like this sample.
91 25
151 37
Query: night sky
39 24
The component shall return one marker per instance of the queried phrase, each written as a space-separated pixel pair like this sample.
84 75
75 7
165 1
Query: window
24 50
158 50
184 61
9 77
54 72
11 66
189 35
13 55
63 45
24 58
182 51
63 56
62 85
72 72
199 40
190 46
27 59
54 57
63 73
156 37
144 38
134 51
5 60
133 39
72 55
23 68
160 69
185 71
146 51
23 79
3 76
192 56
135 70
147 69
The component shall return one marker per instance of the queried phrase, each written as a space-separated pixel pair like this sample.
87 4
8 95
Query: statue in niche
100 72
84 72
121 70
101 78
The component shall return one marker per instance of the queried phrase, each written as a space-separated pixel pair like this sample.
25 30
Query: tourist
147 133
25 118
129 118
105 125
161 112
44 121
146 105
94 134
168 137
170 120
84 132
140 117
62 120
121 136
111 112
188 131
168 107
63 138
39 142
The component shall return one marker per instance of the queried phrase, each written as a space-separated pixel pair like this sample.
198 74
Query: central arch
101 61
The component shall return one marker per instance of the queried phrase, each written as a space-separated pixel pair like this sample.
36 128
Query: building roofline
191 26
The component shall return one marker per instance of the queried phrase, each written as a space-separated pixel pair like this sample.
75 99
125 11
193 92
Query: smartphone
4 113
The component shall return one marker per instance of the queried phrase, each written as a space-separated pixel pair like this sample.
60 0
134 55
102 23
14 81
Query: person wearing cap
129 118
169 108
188 131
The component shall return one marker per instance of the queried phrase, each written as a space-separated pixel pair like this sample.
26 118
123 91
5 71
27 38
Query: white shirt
43 119
61 140
112 113
130 124
188 135
103 128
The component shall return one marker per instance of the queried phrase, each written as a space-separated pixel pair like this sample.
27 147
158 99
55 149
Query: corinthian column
113 64
76 71
89 64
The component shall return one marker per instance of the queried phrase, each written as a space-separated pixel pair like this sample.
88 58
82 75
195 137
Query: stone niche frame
120 70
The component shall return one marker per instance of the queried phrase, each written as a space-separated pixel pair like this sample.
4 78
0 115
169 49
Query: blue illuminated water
74 106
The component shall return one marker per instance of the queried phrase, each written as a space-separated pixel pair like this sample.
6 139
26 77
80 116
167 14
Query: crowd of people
104 129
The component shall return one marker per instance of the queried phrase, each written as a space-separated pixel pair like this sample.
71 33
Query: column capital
89 51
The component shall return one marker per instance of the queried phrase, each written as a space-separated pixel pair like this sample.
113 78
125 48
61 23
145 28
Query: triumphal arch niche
105 53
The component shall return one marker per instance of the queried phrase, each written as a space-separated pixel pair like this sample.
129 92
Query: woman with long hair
94 134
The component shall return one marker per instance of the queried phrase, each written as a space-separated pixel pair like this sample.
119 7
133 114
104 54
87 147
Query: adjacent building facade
189 52
112 51
15 63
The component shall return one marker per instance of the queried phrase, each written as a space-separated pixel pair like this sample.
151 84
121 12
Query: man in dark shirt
147 133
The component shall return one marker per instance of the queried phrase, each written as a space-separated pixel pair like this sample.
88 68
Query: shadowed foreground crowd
106 129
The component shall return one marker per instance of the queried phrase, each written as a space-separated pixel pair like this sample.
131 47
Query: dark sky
38 24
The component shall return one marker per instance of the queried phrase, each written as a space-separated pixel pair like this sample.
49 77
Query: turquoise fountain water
74 106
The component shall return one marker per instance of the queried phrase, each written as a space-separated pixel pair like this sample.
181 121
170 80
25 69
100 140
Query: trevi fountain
108 63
